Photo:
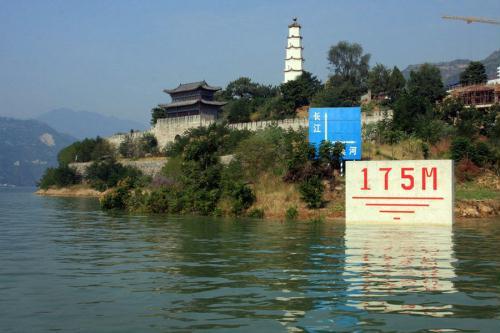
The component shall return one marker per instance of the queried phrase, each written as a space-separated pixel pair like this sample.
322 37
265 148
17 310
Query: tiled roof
294 23
191 86
191 102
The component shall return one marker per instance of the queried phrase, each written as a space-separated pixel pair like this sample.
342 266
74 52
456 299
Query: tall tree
348 62
243 87
426 83
337 93
157 113
378 79
396 84
408 110
475 73
299 92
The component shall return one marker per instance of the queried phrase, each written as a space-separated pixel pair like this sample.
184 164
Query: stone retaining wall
148 167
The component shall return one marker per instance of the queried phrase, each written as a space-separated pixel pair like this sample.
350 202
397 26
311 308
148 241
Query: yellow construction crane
470 19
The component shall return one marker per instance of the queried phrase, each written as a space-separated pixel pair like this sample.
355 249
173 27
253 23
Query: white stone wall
166 130
117 139
294 123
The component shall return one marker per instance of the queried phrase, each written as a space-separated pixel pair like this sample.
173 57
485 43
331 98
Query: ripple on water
65 265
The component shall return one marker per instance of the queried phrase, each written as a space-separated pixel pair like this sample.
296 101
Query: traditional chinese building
192 99
293 58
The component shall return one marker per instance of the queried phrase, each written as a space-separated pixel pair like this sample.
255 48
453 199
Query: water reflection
386 262
65 265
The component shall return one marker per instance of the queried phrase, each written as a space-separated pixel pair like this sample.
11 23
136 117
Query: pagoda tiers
193 99
294 62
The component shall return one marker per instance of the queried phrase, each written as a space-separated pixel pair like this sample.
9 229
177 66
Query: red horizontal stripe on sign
397 204
397 211
396 198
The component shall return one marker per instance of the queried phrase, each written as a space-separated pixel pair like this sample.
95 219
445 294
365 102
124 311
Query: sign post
418 191
337 125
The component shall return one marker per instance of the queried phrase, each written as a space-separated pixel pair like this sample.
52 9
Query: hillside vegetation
277 173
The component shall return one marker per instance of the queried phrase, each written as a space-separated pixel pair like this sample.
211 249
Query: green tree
337 93
58 177
106 174
298 92
475 73
378 79
469 122
157 113
311 191
426 83
407 110
85 151
243 87
127 147
239 110
275 108
396 85
449 110
148 144
348 62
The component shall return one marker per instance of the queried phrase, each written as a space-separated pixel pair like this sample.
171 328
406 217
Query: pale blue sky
115 57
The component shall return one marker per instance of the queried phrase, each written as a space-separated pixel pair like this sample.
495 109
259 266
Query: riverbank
71 191
274 198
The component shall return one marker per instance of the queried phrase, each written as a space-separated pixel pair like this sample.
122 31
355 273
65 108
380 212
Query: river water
65 266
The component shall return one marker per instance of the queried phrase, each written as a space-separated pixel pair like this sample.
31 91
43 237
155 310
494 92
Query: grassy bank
275 199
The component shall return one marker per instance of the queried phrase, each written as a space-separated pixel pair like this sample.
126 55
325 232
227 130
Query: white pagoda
293 59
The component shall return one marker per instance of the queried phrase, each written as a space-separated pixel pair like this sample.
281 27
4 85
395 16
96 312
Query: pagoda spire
293 58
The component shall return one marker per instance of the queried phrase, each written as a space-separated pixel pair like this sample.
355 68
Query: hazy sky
116 57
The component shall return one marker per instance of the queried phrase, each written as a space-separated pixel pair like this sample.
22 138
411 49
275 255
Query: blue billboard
337 125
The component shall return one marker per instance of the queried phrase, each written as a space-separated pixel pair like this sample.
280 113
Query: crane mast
471 19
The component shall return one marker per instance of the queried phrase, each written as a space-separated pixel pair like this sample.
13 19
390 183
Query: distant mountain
450 70
84 124
27 148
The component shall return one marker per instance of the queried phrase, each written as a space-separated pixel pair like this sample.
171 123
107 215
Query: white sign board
400 191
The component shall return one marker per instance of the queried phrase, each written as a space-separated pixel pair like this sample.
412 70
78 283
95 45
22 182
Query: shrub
127 147
115 199
482 154
460 148
58 177
172 169
148 144
139 147
466 170
292 213
158 201
479 153
242 197
256 213
105 174
425 150
311 191
85 151
225 139
261 152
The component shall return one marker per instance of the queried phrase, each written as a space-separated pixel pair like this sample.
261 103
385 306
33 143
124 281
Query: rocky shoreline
477 208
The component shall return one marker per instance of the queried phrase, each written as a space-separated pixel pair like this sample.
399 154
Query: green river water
66 266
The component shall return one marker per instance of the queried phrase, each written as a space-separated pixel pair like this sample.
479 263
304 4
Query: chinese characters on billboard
337 125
